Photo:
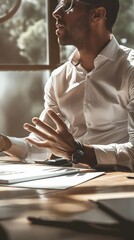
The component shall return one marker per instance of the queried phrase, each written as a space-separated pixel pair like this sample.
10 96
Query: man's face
72 28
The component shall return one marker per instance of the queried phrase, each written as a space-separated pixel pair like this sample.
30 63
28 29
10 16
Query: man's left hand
59 140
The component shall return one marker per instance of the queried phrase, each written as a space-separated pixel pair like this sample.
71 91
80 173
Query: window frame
53 47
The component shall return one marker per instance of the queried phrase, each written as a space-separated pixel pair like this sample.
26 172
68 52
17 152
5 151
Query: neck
90 52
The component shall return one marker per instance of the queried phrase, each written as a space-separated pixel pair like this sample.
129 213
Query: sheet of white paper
15 173
61 182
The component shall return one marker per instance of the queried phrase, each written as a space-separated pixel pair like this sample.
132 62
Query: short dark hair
112 9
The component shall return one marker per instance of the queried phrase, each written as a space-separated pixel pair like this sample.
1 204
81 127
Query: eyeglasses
67 5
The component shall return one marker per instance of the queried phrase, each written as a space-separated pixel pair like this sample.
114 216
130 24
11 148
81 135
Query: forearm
111 156
89 156
25 151
13 146
120 155
18 148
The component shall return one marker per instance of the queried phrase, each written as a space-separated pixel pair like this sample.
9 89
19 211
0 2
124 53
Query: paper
61 182
13 173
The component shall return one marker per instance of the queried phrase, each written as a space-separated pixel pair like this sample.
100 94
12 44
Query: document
14 173
60 182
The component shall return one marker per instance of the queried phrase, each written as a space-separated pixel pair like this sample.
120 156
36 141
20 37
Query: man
89 100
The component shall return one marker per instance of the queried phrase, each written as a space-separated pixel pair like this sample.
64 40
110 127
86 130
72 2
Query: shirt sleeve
25 151
117 155
120 154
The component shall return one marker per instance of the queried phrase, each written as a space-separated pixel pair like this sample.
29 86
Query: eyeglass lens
66 4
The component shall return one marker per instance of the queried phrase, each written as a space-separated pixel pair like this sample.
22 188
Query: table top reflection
16 204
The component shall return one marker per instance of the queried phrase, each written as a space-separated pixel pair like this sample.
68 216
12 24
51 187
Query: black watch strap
78 155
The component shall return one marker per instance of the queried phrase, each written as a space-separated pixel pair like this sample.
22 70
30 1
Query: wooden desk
16 204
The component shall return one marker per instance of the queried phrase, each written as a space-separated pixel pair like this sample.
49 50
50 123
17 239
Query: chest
98 99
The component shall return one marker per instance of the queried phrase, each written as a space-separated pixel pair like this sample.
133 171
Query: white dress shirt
97 106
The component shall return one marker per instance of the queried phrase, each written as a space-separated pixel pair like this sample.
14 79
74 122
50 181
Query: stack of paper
44 176
13 173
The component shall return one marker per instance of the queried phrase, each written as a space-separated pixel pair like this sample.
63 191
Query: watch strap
78 155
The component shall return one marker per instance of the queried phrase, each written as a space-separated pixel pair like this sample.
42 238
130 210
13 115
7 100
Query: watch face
77 156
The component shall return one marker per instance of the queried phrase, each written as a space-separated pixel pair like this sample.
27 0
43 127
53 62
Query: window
124 27
29 52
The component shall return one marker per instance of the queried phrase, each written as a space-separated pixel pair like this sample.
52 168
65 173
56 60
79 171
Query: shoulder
61 69
129 52
60 75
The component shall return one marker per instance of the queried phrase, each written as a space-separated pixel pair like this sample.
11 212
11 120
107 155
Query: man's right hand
5 143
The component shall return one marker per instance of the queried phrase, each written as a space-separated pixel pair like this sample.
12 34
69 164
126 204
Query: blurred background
29 52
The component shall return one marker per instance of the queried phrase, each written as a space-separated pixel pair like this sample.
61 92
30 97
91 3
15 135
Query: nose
57 12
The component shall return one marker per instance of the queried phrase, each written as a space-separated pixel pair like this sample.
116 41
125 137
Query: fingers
36 143
57 120
44 126
46 130
59 140
48 134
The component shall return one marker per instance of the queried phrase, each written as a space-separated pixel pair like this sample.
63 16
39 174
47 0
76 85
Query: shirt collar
111 49
109 52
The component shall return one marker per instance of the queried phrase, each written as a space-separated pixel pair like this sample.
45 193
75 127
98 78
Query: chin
63 42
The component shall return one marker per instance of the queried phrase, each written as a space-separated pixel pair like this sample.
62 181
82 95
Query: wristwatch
78 155
5 143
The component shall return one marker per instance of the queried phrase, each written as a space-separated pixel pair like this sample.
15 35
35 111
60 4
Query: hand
59 140
2 143
5 143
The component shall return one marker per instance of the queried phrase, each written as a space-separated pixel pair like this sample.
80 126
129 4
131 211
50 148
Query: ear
98 14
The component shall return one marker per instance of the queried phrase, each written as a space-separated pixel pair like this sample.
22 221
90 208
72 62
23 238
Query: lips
59 28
